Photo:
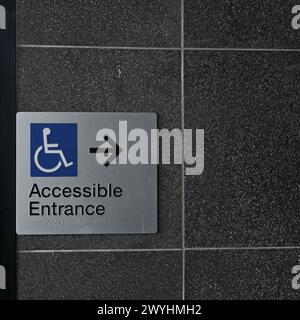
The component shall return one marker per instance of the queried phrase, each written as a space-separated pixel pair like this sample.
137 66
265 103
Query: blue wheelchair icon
53 150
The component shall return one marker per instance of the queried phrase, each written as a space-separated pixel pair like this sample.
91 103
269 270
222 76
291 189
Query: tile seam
183 167
157 48
97 250
242 248
96 47
159 250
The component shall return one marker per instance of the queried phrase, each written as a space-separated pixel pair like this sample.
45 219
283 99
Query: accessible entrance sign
72 177
7 142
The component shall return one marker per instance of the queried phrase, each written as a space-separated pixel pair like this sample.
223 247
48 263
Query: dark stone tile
151 23
242 24
242 274
79 80
109 275
111 81
248 105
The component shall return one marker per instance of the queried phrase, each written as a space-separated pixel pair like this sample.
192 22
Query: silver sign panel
73 175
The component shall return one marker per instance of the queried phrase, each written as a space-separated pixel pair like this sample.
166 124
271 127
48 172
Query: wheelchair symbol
50 148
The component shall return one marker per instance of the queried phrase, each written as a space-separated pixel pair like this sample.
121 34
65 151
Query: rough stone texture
113 275
247 103
154 23
240 24
241 274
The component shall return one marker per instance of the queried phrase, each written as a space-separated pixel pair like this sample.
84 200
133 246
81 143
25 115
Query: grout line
94 47
183 168
155 48
242 248
158 250
96 250
240 49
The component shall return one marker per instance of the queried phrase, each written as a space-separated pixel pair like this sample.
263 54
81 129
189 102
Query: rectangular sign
73 176
7 142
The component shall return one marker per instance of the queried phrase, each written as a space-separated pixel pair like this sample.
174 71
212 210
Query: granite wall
230 67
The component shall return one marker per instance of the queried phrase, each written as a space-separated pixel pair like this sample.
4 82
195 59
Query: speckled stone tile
81 80
248 105
240 24
111 81
151 23
109 275
242 274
